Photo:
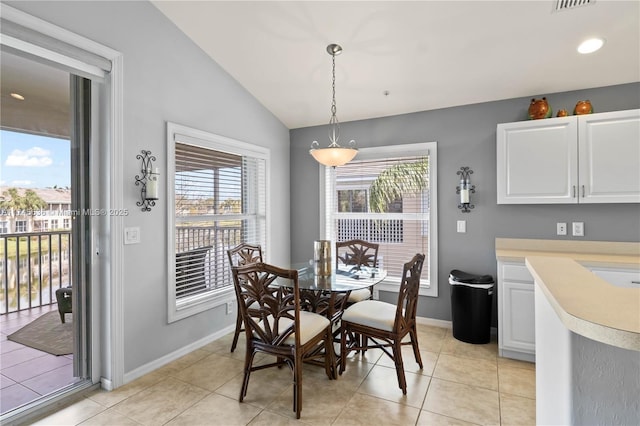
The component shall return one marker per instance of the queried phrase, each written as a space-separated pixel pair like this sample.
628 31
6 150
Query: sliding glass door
45 237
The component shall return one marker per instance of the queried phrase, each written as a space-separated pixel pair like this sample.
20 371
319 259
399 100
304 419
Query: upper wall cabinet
592 158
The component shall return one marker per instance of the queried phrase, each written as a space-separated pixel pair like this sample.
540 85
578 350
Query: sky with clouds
32 161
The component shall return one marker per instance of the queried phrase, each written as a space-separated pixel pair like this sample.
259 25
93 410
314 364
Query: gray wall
168 78
466 136
605 383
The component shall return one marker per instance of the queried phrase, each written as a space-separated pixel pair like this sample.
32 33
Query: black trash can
471 300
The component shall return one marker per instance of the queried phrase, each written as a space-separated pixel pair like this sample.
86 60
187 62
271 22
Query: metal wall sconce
465 189
148 180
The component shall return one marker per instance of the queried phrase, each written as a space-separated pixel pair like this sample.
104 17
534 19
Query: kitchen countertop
587 304
584 302
596 253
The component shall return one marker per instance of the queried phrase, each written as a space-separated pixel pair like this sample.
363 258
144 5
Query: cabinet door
537 161
518 330
609 152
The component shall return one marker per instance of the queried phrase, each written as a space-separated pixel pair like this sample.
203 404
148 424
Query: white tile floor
460 384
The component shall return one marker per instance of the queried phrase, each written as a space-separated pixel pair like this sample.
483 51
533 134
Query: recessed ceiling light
591 45
17 96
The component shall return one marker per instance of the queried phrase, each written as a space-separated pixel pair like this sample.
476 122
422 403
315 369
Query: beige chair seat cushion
310 326
359 295
371 313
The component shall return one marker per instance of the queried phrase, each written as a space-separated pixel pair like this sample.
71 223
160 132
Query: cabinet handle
582 191
635 282
574 191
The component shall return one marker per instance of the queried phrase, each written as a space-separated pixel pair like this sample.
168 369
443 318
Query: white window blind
386 200
219 201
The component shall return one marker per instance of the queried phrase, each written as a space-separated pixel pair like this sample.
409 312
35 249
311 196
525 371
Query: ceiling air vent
570 4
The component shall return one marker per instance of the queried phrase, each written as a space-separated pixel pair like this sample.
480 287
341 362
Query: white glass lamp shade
333 156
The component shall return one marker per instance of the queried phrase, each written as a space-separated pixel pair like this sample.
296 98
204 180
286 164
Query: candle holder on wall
148 180
465 189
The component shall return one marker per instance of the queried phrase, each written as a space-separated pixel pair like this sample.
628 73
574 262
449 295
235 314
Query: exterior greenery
400 180
12 201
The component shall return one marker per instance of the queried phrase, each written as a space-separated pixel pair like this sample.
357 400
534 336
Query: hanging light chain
334 125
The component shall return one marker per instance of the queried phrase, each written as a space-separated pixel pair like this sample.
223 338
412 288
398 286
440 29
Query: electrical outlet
376 294
230 307
561 228
578 229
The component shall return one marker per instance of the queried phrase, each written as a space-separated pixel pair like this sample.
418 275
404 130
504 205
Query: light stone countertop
585 303
596 253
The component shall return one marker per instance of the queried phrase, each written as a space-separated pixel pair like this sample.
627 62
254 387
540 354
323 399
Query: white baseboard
106 384
434 322
154 365
445 324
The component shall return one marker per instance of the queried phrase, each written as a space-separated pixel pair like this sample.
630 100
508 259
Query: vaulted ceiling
424 54
398 56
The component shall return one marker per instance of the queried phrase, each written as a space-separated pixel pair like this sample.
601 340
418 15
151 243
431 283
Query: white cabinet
592 158
516 311
609 157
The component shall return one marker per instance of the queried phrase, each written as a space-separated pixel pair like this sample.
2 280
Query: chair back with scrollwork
357 253
244 254
270 312
408 294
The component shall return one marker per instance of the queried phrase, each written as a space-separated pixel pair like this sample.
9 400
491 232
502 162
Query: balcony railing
201 258
390 231
33 266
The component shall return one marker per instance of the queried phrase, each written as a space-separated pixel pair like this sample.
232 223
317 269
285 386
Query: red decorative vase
539 108
583 107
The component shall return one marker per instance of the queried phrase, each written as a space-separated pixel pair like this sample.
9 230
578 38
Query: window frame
21 226
429 285
180 309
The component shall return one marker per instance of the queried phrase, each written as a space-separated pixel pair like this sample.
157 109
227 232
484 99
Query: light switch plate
578 229
132 235
462 226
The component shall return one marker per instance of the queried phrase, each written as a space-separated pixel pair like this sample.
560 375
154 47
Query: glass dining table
328 295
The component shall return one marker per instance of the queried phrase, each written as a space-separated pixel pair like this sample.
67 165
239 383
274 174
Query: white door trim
107 317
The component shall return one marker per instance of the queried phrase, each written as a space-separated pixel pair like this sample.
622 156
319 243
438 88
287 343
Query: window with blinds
219 201
388 199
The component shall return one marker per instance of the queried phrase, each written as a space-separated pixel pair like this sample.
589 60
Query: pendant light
333 155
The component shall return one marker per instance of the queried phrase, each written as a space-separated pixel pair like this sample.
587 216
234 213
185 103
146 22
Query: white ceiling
426 54
45 109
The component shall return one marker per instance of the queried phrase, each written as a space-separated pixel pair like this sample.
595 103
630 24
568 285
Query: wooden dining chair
357 253
275 324
242 254
383 325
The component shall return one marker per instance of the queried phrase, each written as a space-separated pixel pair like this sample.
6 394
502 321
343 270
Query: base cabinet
516 312
516 304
